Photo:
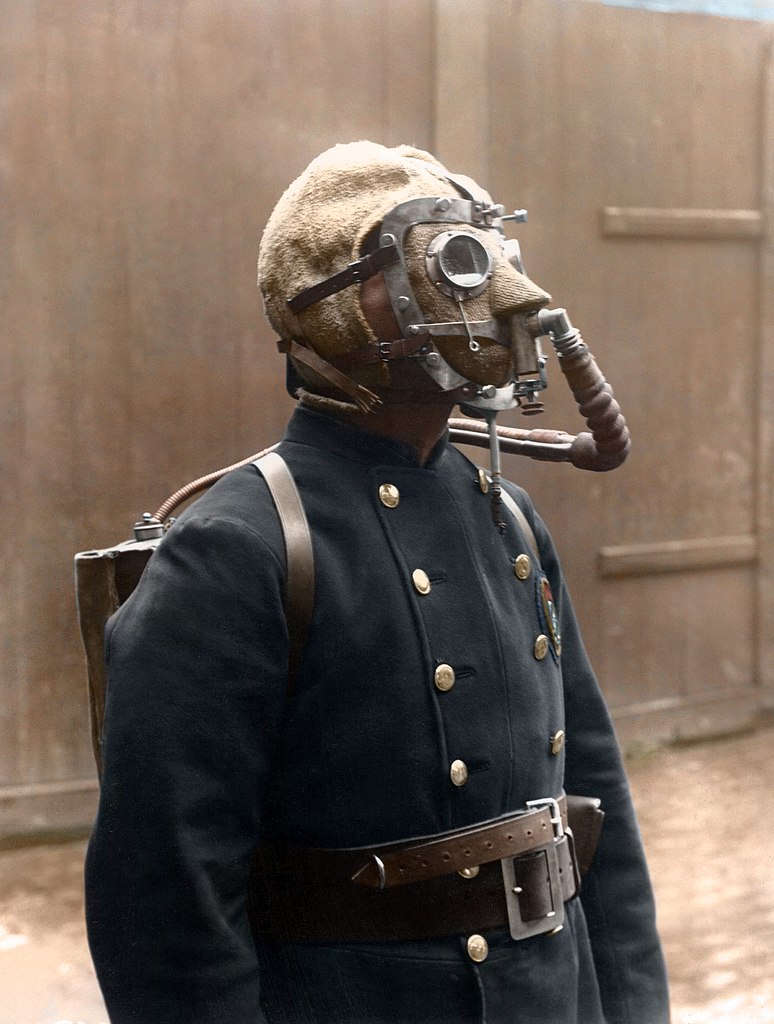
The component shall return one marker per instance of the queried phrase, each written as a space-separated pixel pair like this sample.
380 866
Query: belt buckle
554 920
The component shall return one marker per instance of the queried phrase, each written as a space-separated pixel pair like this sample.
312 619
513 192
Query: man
333 844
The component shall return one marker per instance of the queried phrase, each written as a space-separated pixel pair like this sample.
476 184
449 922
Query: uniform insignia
550 616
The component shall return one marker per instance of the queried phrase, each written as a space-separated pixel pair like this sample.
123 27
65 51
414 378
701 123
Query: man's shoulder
239 505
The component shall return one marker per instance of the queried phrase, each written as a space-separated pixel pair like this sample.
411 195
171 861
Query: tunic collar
349 441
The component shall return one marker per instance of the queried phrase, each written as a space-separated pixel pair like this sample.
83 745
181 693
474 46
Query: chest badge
549 614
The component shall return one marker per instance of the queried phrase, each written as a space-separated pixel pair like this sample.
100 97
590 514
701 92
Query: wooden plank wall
144 145
635 140
765 396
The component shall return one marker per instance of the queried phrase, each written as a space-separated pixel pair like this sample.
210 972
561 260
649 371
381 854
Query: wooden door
641 143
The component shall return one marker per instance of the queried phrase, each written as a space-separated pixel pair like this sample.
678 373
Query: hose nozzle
609 443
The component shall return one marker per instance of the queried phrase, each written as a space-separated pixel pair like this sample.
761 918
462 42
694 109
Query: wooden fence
145 145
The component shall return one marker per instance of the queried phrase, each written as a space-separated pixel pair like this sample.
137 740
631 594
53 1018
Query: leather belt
454 851
515 872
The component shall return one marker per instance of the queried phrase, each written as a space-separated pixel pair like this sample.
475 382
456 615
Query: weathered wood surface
677 556
144 146
635 140
764 399
641 222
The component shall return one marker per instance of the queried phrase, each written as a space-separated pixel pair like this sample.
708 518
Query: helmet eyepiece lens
459 264
463 264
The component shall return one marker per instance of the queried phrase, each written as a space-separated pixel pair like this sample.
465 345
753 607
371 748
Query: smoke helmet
456 286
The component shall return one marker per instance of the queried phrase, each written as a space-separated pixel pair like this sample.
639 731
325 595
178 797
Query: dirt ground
703 810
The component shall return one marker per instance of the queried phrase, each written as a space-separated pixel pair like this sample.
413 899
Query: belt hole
466 853
509 838
447 856
529 831
489 846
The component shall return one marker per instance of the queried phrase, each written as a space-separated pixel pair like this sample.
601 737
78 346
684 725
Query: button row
445 678
458 772
389 495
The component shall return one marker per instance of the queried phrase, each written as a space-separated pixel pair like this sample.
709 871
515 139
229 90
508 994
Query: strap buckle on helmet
366 400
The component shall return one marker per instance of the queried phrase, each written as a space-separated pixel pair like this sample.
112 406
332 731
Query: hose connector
608 444
148 528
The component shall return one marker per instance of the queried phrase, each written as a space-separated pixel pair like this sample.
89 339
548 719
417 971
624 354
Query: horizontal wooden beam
42 809
46 789
645 725
647 222
692 700
677 556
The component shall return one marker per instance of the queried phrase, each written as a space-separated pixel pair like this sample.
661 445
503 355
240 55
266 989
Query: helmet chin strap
364 399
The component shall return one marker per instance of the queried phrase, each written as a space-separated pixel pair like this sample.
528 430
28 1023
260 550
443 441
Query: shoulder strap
299 557
523 522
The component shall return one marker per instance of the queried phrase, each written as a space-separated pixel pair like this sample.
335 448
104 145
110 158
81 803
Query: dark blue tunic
203 756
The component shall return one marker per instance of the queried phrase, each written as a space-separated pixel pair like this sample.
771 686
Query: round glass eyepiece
459 264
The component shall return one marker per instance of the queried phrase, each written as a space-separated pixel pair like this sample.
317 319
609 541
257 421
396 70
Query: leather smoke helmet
362 208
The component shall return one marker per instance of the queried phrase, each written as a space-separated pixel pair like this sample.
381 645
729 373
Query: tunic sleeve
197 663
617 896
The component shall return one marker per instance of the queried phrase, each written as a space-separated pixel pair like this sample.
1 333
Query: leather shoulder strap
523 522
299 557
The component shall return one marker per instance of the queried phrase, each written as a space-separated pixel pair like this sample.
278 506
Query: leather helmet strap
355 273
361 396
381 352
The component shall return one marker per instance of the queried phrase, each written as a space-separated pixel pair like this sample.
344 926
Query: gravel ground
701 809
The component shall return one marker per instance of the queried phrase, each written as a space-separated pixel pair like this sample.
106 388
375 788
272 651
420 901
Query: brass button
557 742
389 495
444 677
522 567
541 647
459 773
483 481
421 581
478 948
469 872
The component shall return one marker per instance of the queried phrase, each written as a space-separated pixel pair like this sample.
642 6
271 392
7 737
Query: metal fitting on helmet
444 258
